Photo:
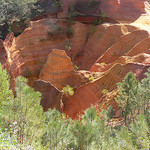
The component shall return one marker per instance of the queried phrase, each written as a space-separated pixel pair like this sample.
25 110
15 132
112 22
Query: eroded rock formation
102 54
58 70
51 97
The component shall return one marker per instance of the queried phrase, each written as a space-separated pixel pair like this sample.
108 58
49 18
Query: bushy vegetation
68 90
24 125
19 12
68 45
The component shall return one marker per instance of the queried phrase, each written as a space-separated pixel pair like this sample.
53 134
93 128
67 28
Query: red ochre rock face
91 93
103 56
27 53
51 96
59 71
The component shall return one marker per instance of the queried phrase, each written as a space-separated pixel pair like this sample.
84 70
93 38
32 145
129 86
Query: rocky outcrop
105 36
59 71
51 53
28 52
142 58
51 97
123 45
141 47
91 93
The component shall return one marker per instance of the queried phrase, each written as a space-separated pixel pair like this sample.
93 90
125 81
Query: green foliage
70 32
91 78
68 90
105 91
57 3
55 31
5 93
143 96
25 109
94 4
55 131
126 95
72 12
68 45
91 2
42 39
140 132
76 68
11 10
98 22
90 114
24 125
103 63
103 15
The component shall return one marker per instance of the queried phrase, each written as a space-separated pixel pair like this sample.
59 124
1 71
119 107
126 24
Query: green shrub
70 32
68 45
91 78
98 22
24 125
57 3
72 12
55 31
68 90
42 39
76 68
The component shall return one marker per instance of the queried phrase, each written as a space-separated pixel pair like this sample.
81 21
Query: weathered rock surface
103 38
123 45
109 51
59 71
91 93
141 47
28 52
51 97
142 58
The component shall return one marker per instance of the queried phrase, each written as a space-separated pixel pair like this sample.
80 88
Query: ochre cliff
91 59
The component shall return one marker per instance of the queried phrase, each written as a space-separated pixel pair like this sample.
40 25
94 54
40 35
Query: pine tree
26 111
140 133
17 10
56 128
5 93
144 95
126 97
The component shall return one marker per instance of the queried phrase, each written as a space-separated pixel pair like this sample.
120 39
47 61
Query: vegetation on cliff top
18 12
